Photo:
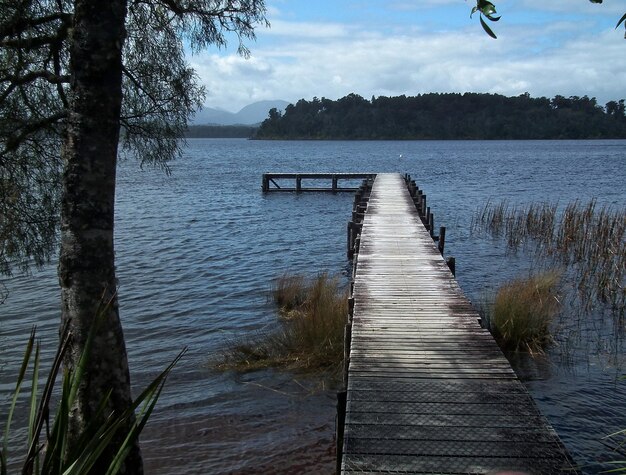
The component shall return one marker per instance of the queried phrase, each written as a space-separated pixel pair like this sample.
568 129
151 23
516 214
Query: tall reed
588 239
309 337
522 312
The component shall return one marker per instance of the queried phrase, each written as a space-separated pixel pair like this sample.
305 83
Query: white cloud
325 61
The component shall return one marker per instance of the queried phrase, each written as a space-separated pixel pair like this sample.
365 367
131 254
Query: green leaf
149 398
44 403
474 10
32 416
487 29
487 8
16 393
621 20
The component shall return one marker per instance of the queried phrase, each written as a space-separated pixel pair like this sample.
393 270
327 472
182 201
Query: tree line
447 116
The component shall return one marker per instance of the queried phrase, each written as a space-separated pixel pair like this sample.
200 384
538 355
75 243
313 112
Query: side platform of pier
313 182
427 389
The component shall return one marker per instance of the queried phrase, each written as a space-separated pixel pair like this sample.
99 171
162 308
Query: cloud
307 59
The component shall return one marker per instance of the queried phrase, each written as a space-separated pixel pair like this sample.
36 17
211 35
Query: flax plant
48 452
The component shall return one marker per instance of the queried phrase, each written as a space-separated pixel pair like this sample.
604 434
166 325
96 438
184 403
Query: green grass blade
148 398
44 403
97 444
134 433
487 29
32 417
92 430
16 393
57 437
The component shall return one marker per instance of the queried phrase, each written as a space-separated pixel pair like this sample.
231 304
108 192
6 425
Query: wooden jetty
428 389
273 182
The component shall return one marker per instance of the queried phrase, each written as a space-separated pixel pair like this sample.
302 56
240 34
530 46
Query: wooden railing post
342 400
451 261
442 239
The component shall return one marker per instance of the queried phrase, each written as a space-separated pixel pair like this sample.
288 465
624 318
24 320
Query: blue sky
332 48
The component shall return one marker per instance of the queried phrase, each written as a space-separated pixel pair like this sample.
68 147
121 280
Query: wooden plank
428 389
332 178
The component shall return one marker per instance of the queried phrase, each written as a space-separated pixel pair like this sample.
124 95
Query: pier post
349 243
442 239
334 185
347 338
451 261
342 399
298 183
266 183
431 222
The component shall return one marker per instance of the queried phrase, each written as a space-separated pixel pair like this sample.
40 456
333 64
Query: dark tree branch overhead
26 129
24 24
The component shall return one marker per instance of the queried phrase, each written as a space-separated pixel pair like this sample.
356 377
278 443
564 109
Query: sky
331 48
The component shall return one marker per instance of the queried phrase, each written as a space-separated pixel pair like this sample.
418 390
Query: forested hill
447 116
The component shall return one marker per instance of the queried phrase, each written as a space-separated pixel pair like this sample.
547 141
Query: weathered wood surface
429 391
315 182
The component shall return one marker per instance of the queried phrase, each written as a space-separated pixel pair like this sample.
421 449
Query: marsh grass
309 337
522 312
587 239
289 292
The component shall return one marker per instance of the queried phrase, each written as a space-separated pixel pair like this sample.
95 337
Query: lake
198 250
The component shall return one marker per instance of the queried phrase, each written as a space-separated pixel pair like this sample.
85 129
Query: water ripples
197 252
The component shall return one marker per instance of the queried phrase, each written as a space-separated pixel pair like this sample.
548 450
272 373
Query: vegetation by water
312 315
447 116
51 451
586 239
522 311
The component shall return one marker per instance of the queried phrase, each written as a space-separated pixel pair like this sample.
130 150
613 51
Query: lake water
197 252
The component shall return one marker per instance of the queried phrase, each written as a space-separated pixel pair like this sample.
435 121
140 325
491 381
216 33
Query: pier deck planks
428 390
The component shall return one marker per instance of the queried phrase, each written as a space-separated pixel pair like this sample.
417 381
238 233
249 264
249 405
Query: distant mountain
249 115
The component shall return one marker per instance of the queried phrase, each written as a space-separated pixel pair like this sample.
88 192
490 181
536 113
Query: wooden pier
330 182
428 389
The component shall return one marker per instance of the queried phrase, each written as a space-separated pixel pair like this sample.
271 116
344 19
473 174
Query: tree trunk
86 264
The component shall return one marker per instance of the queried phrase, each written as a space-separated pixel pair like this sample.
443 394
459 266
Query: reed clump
312 314
588 239
522 312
